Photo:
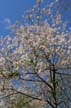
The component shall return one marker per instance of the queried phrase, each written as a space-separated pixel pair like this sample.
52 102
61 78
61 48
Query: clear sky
12 10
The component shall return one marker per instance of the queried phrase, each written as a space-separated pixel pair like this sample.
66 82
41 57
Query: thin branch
63 73
7 95
30 96
31 80
36 98
43 80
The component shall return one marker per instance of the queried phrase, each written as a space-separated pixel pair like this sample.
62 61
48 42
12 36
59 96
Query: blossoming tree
36 62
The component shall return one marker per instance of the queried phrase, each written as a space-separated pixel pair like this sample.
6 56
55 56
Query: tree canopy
35 63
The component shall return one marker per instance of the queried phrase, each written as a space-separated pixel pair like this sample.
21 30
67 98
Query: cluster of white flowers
2 61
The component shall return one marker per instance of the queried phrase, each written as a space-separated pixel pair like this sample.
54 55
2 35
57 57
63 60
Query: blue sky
12 10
